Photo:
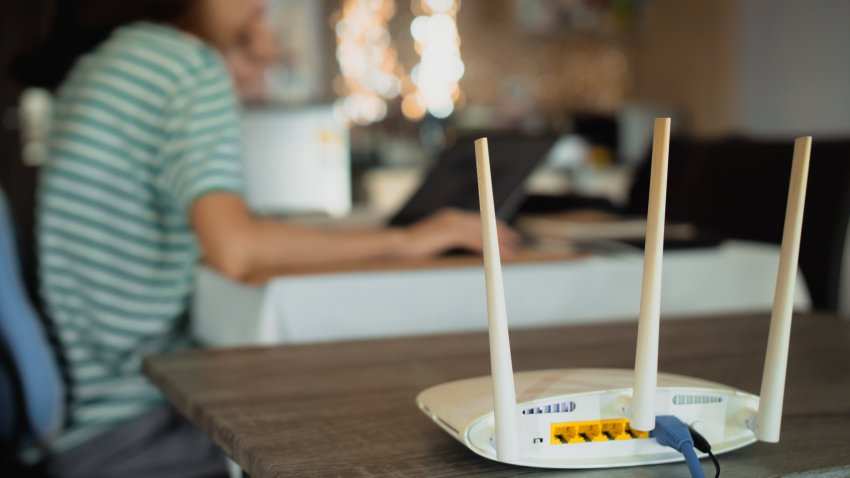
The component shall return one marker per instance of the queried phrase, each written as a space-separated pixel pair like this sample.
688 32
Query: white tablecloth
734 277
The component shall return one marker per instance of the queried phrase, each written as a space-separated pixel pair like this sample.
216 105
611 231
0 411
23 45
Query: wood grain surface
347 409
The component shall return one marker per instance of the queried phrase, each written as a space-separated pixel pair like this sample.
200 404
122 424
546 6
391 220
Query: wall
685 57
795 68
557 71
765 68
510 68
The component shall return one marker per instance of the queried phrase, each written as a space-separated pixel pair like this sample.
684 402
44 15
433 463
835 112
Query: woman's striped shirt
144 125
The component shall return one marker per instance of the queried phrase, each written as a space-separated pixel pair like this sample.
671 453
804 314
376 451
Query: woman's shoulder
163 49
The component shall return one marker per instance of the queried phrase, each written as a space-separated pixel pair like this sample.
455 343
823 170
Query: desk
447 294
347 409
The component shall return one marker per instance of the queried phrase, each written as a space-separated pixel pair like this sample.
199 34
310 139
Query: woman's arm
238 244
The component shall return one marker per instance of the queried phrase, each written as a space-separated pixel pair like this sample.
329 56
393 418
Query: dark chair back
738 188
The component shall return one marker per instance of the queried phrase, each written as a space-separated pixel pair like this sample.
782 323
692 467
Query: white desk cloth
733 277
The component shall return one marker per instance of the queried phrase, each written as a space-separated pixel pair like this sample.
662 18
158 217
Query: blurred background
364 96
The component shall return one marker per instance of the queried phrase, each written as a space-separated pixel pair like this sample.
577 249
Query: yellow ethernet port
593 431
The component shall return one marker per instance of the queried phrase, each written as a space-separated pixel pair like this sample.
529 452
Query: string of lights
368 62
440 68
371 74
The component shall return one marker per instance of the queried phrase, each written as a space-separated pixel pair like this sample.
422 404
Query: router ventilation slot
695 399
551 408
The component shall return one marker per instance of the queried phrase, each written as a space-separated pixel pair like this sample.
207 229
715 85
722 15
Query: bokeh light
435 78
367 60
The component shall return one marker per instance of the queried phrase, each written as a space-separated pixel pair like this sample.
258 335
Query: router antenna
773 380
501 368
646 355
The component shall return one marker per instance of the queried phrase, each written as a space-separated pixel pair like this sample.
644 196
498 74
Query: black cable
701 444
716 464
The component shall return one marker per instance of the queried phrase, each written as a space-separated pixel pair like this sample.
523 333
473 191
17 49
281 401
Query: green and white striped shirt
144 125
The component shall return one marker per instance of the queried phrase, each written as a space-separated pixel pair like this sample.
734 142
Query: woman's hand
453 229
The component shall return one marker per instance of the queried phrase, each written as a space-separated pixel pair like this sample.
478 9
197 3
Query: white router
600 418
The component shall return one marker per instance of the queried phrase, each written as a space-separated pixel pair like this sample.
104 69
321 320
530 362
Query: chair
737 188
31 390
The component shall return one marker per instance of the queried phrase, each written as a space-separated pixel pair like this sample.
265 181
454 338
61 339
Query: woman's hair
80 25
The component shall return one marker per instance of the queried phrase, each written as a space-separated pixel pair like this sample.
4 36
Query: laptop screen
453 181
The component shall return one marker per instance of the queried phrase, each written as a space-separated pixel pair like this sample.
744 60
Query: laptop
452 182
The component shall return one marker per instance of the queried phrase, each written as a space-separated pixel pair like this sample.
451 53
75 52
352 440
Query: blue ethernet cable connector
672 432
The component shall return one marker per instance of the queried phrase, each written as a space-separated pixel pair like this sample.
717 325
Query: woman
248 62
144 181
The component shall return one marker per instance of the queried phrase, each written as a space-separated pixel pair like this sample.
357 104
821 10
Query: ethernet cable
672 432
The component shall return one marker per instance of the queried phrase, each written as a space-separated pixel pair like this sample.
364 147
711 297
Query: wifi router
600 418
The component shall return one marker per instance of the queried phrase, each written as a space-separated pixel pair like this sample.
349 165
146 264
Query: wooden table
347 409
